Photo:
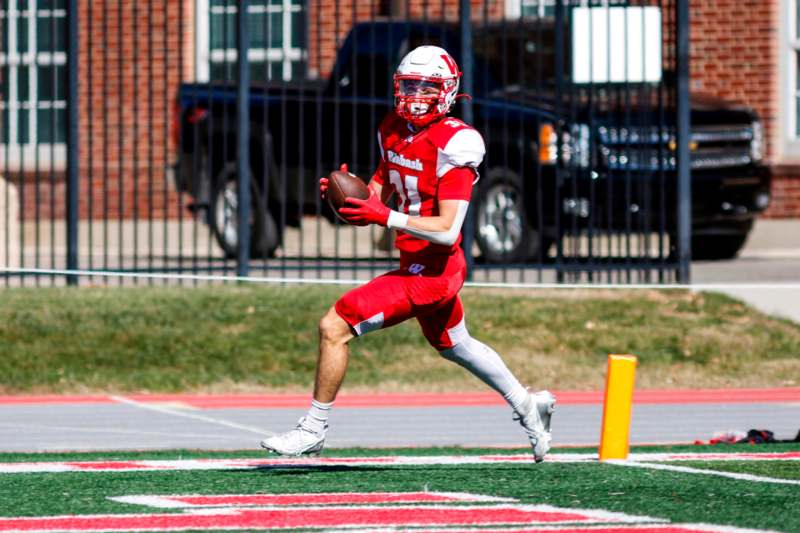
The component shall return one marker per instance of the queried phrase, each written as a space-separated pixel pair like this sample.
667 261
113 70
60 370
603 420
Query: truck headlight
757 142
574 145
578 144
548 144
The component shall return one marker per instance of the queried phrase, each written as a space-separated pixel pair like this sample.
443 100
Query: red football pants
425 287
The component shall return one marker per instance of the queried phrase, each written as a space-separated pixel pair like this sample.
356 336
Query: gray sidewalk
136 427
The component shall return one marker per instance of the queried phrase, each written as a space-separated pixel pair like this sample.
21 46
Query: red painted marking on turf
297 518
277 401
349 498
106 465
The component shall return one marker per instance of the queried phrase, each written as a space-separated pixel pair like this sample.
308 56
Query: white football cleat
536 422
299 441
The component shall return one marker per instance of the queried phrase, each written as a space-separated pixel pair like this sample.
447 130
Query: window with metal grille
788 117
277 34
33 79
538 8
547 8
794 44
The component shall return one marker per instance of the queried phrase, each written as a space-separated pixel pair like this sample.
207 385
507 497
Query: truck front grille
653 149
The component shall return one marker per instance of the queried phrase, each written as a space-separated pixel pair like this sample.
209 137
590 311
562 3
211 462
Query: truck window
515 56
367 76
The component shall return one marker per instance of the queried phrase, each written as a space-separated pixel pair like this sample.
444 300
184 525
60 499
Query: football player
430 161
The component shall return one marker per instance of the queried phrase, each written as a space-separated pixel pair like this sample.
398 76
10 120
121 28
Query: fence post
683 134
243 138
465 14
559 60
72 140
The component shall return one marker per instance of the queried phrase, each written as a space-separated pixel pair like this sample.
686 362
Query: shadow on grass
293 469
290 469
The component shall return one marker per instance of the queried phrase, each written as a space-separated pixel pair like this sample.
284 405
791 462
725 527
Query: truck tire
224 213
717 247
502 230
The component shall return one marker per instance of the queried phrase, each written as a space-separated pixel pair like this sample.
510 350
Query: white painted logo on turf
433 511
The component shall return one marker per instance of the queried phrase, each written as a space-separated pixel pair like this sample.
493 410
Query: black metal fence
134 140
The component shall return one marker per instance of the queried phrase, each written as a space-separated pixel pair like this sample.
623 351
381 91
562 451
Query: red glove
363 212
323 186
324 182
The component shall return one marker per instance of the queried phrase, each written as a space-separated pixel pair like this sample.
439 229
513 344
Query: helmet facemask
421 100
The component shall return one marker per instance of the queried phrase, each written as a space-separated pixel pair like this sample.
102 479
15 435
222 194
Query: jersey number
408 190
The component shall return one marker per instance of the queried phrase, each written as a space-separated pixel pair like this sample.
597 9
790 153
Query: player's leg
334 352
379 303
446 330
308 437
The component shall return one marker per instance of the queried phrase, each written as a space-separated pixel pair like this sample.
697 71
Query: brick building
134 54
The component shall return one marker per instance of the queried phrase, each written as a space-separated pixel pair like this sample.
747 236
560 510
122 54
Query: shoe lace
303 426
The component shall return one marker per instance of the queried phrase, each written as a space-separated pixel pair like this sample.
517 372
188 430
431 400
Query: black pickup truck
554 165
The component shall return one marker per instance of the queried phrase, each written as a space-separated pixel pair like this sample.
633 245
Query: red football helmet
425 85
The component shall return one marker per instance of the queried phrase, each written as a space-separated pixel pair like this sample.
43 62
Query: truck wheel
502 230
715 247
224 216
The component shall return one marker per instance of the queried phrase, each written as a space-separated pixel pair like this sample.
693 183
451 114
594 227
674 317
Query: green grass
679 497
6 457
240 338
774 469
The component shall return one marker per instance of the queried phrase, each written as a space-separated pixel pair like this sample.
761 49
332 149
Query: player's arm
452 198
455 188
456 169
443 228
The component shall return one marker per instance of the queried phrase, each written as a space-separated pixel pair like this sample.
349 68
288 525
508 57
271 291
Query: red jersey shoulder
458 145
442 131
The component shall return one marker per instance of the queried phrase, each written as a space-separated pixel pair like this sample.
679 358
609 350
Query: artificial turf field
662 489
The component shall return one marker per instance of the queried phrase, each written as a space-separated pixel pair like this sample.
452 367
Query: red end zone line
231 401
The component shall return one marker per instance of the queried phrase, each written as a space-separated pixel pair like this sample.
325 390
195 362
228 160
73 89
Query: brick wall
329 22
130 71
733 52
133 55
131 64
735 56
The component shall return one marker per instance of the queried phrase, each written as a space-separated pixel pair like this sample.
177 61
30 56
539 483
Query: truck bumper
723 200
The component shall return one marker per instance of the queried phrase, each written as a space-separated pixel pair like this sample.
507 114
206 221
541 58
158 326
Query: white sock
520 401
487 365
317 418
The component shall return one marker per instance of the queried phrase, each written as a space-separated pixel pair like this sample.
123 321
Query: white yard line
690 470
268 461
193 416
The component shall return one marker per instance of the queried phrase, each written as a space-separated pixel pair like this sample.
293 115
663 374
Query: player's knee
454 343
333 328
456 352
449 354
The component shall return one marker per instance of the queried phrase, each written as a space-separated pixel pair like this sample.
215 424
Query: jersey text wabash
417 165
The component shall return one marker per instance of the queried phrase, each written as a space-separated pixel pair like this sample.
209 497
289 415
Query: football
343 185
